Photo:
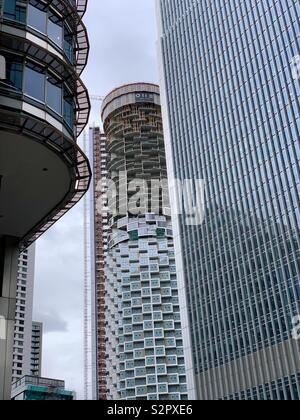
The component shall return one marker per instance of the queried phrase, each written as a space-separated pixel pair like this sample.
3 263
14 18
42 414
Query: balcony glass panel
15 10
34 83
54 95
14 74
55 30
37 18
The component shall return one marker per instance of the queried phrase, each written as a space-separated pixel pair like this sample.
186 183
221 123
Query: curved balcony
44 106
57 22
51 170
62 74
81 7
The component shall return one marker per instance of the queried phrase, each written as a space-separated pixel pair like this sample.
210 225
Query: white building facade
23 322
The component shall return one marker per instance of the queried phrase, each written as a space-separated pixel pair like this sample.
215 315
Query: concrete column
9 254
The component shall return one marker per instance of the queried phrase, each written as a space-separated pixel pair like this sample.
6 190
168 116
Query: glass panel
14 73
68 45
55 30
37 18
73 3
34 82
68 109
10 9
15 10
54 95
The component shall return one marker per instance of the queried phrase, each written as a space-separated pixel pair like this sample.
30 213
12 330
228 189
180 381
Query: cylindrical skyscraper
144 338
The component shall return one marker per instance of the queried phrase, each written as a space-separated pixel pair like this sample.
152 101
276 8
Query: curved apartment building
145 354
44 106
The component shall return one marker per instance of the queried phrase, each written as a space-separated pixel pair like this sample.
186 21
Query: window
55 30
68 45
54 95
37 18
68 108
14 73
15 10
40 85
34 82
43 21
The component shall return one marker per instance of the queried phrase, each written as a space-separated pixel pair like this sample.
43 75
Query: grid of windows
23 317
145 354
282 389
233 107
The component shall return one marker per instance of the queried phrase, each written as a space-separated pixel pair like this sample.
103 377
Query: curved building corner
44 107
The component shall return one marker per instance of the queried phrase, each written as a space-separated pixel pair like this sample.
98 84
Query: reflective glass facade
44 107
36 80
43 50
32 388
43 19
232 117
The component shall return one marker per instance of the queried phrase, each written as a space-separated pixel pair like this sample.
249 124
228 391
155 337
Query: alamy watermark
120 197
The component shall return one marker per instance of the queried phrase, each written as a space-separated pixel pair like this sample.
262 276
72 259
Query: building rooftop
32 387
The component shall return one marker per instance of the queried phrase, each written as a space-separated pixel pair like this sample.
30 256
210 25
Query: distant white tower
23 323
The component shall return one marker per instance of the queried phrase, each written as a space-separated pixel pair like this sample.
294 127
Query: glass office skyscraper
232 118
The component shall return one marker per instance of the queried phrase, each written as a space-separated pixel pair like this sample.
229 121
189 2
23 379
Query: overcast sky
123 50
